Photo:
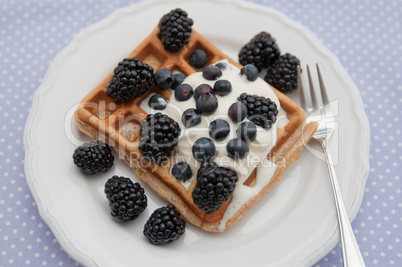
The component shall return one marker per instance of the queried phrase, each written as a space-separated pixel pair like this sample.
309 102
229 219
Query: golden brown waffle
119 125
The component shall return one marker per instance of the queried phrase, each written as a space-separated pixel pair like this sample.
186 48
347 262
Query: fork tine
324 95
312 91
302 93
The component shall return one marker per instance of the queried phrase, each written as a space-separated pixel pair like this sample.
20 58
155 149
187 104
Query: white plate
294 224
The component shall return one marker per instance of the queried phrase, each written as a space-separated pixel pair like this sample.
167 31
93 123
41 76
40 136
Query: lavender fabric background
365 35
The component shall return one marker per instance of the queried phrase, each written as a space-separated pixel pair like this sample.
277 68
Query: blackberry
159 135
261 51
282 74
214 187
260 110
164 226
175 30
131 79
126 199
93 157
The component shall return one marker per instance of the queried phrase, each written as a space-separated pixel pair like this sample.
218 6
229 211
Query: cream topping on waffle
258 149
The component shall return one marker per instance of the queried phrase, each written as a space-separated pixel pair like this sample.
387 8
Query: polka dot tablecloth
365 35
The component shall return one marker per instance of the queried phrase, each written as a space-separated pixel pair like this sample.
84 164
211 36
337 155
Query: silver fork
321 113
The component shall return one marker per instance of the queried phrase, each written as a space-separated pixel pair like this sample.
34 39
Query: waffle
119 126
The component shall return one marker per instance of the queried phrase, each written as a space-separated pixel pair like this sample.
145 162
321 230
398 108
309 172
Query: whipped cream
258 149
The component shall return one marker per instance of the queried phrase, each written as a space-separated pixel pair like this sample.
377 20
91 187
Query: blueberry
207 103
222 87
203 89
237 148
211 73
183 92
182 171
163 79
250 71
237 111
198 59
178 78
219 129
221 66
191 117
247 131
203 149
157 102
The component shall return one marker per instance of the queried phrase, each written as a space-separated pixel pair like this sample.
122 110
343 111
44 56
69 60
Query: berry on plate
127 200
93 157
164 226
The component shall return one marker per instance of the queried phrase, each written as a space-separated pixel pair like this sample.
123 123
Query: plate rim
80 254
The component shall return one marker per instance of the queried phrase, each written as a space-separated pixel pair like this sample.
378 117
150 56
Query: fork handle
350 249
